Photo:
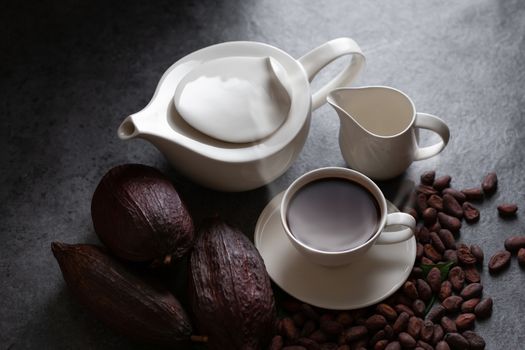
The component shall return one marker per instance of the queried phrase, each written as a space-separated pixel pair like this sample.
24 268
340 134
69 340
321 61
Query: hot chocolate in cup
334 215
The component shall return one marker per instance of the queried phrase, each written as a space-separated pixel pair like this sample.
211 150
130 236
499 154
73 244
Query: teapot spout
128 129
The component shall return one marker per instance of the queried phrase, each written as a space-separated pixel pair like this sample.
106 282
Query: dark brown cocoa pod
426 190
507 210
406 340
139 216
456 341
470 212
421 202
427 178
400 308
473 194
436 202
452 207
465 321
456 276
432 253
375 322
395 345
401 323
288 329
484 308
436 313
423 289
387 311
344 318
308 328
452 303
318 336
447 238
472 275
414 326
476 342
469 305
448 325
419 307
449 222
445 290
427 331
277 343
514 243
308 343
450 255
438 245
127 303
499 261
489 183
438 335
422 345
465 257
442 345
232 304
478 253
434 279
355 333
381 345
423 235
521 257
442 182
460 197
420 251
472 290
410 290
331 327
429 216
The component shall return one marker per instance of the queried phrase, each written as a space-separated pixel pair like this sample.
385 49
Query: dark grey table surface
72 70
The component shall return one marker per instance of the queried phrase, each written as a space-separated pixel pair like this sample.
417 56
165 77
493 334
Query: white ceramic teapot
207 153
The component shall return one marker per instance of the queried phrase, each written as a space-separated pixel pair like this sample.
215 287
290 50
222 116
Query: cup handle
323 55
435 124
402 219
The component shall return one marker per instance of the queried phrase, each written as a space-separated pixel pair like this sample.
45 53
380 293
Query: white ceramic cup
378 133
338 258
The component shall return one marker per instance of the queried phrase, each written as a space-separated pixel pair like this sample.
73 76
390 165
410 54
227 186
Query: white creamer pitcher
213 157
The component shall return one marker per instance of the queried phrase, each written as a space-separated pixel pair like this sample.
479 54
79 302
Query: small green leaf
444 268
430 304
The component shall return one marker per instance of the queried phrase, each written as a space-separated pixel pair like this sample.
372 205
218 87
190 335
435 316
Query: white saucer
379 274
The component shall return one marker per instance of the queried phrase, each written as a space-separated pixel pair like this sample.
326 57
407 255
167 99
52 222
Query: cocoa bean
291 305
452 303
289 329
456 341
424 290
421 202
448 325
470 212
438 334
344 318
469 305
379 335
436 227
460 197
521 257
427 178
277 343
427 331
472 275
419 307
299 319
414 326
452 207
423 235
389 331
472 290
326 317
449 222
478 253
332 327
400 308
410 290
375 322
422 345
442 345
447 238
429 216
319 336
484 308
434 279
507 209
436 202
355 333
387 311
406 340
347 347
456 276
473 194
401 323
426 190
436 313
403 299
395 345
499 261
489 183
308 328
465 257
475 341
438 245
417 272
308 343
450 255
412 212
432 253
514 243
381 345
442 182
309 312
465 321
294 347
420 251
445 290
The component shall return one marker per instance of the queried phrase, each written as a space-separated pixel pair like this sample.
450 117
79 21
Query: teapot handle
323 55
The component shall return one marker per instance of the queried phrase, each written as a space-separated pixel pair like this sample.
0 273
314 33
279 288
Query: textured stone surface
71 71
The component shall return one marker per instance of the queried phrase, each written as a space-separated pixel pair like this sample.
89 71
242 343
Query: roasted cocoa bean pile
437 307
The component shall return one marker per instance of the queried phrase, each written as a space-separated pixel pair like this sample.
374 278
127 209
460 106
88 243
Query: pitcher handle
435 124
323 55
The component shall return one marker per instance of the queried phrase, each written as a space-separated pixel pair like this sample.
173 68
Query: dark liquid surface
333 214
